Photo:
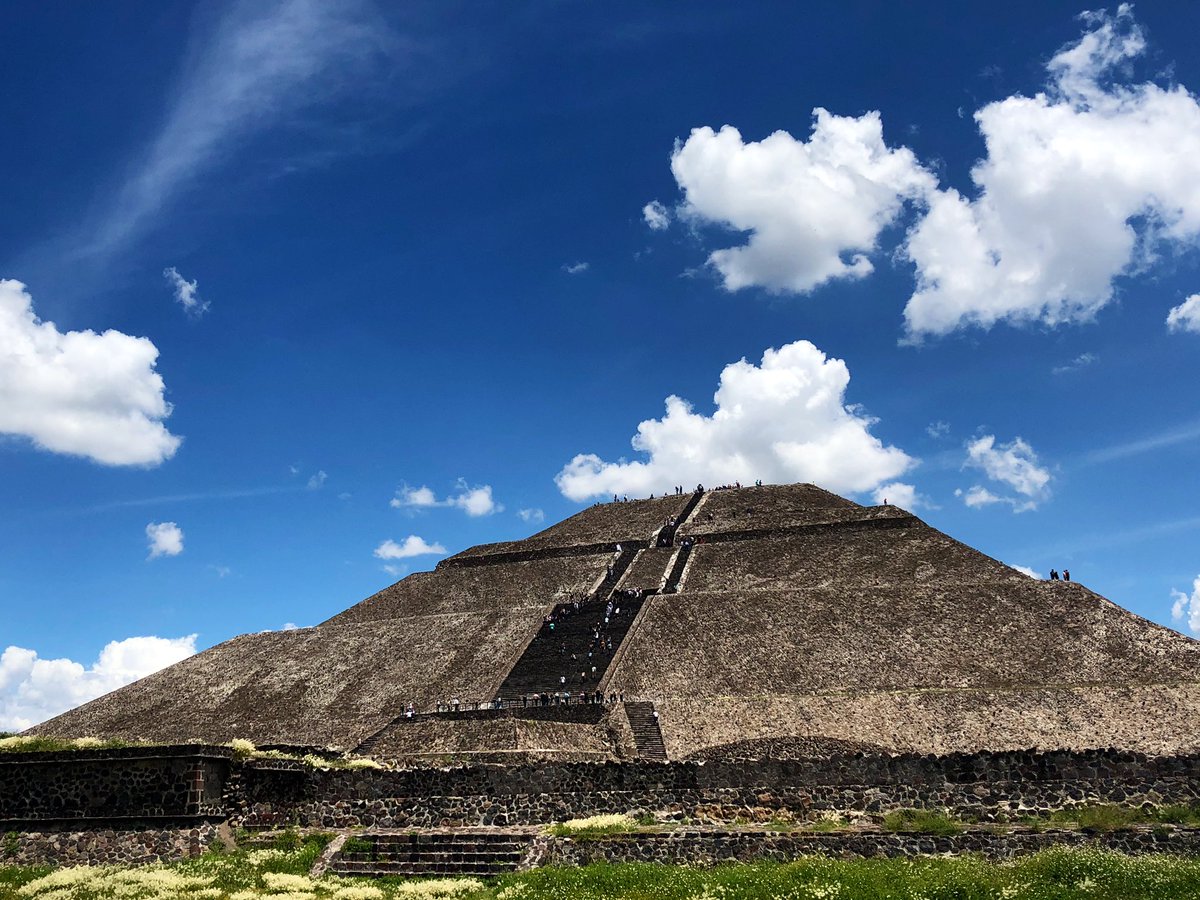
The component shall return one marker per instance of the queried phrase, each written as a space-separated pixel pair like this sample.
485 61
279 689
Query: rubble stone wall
101 846
148 783
706 848
985 786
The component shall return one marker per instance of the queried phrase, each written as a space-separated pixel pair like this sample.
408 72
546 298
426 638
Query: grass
1059 874
1108 817
593 826
924 821
15 743
1052 875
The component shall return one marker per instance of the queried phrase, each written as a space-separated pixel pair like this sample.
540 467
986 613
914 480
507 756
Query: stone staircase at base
646 733
431 853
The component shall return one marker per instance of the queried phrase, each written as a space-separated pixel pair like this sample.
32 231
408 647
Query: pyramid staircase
548 658
646 733
676 573
458 852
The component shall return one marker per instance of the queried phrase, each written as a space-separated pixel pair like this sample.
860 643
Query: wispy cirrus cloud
259 66
1150 443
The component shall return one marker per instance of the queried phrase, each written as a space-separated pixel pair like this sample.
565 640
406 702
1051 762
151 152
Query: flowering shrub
607 824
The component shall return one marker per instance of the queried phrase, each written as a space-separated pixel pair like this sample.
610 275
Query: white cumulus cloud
1185 316
814 209
1080 184
1025 570
898 493
475 501
977 496
1186 607
410 546
317 481
576 268
165 539
656 216
34 689
531 515
1014 465
187 293
783 420
78 392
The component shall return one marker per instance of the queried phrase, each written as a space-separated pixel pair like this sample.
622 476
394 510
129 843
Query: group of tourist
1066 575
566 698
679 490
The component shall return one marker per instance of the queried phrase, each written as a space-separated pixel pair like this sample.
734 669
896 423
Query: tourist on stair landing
1053 575
1066 574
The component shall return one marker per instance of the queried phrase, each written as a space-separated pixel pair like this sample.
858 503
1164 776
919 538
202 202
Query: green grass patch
38 744
593 826
1051 875
1100 817
1060 874
924 821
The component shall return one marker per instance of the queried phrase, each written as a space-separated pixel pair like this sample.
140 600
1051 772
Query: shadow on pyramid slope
777 614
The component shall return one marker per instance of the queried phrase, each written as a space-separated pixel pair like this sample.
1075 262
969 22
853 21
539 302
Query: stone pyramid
750 619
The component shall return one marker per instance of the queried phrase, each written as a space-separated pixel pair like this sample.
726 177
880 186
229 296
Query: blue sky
299 297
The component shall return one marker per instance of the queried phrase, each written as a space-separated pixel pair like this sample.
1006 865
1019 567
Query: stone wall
145 783
136 803
695 847
109 846
984 786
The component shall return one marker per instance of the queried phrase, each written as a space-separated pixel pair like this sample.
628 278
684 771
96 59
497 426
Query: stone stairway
367 746
676 573
646 733
666 535
548 658
459 852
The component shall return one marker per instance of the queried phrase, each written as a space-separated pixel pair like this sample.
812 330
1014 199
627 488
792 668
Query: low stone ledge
116 846
697 847
89 754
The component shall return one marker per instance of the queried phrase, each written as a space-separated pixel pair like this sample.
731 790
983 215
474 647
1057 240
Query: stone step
646 731
433 853
379 869
547 659
431 859
407 850
444 837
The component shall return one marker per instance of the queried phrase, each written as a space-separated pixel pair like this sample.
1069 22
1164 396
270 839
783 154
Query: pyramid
749 619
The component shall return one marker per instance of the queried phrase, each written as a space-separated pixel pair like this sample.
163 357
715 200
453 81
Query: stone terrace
773 506
853 554
604 523
331 685
541 582
863 637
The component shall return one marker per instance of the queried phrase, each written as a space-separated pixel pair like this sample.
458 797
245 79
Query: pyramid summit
772 619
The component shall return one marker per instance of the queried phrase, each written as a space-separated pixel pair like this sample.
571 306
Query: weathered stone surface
800 616
154 782
699 847
111 846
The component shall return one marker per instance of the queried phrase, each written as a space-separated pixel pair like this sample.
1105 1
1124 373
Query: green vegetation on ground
16 743
925 821
281 873
594 826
